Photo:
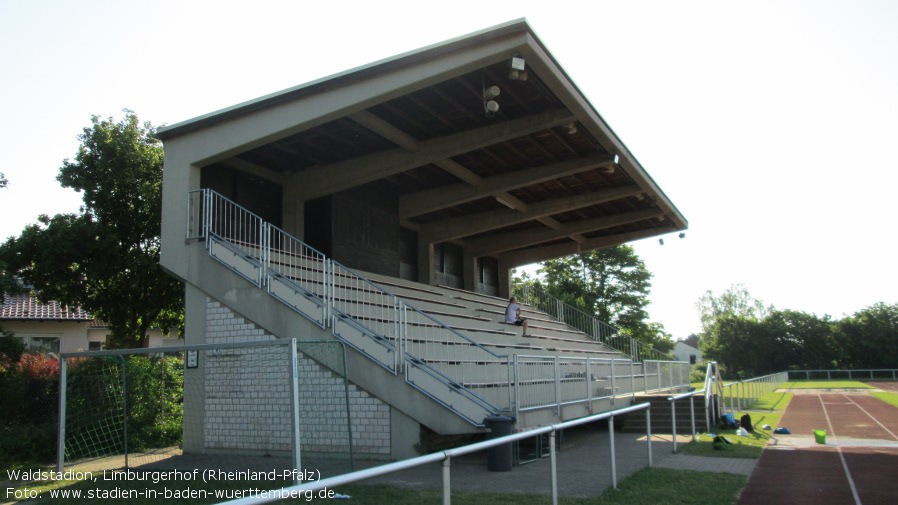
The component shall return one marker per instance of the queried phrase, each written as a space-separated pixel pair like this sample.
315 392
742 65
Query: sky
771 125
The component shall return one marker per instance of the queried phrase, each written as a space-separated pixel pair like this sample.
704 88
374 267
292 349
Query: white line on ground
857 498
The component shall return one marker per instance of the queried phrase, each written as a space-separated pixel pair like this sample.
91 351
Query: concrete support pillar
470 271
425 263
504 278
293 210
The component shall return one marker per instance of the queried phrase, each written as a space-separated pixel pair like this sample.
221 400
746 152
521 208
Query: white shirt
511 313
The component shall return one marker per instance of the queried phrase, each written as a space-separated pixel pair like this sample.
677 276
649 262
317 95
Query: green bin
820 436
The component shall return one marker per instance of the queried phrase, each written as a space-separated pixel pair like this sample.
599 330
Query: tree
869 338
736 300
106 258
611 284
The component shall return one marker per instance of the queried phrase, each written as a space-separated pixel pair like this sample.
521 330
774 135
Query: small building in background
54 327
685 352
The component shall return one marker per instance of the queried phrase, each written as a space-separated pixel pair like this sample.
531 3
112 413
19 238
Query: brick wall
247 399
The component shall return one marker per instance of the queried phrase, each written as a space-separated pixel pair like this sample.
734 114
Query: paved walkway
584 467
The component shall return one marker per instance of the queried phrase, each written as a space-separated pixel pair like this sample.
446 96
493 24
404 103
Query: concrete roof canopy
541 177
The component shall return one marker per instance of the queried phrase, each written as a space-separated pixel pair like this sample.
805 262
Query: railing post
648 431
633 380
692 414
447 489
613 456
614 381
587 376
557 381
60 435
673 421
553 468
294 409
517 387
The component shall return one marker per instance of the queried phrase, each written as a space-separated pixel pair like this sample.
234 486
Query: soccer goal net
203 406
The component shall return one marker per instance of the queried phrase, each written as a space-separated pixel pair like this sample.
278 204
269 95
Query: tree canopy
750 339
105 259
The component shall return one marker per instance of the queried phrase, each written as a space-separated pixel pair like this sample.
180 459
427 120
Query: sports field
857 465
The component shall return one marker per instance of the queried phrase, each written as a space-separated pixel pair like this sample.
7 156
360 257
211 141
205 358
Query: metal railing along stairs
386 329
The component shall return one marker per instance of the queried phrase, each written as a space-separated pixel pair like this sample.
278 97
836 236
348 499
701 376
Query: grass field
767 410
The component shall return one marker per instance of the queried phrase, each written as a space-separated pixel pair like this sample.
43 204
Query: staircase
661 416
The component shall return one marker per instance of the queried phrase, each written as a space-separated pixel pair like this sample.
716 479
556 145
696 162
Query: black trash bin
499 458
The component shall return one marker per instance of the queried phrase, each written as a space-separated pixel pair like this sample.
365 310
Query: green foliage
106 258
11 349
29 403
752 339
869 338
155 401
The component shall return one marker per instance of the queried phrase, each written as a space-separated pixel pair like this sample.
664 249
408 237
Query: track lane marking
857 498
871 417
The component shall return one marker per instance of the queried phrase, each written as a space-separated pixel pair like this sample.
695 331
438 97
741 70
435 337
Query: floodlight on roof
517 69
491 92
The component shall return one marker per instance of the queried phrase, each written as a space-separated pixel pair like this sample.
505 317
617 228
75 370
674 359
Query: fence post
692 414
447 487
648 431
553 467
673 421
294 409
517 387
557 381
588 382
614 380
613 459
125 406
60 436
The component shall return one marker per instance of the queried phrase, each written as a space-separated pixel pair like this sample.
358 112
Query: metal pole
614 381
553 468
557 381
294 409
60 436
648 432
692 414
613 460
517 388
125 407
447 490
673 421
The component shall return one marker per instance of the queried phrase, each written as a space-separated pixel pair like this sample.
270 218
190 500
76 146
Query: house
687 353
384 207
54 327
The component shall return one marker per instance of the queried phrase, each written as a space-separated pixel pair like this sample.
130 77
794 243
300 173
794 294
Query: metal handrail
575 318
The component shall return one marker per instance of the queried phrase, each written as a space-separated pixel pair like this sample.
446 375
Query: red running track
857 466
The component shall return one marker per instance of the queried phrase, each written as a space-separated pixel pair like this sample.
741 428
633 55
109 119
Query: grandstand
384 207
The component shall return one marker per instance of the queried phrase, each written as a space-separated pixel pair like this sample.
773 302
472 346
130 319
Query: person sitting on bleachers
513 315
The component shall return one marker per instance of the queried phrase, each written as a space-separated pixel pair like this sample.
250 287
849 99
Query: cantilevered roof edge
518 26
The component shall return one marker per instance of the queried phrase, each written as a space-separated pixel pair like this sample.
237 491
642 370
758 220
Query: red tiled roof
23 306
